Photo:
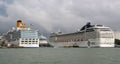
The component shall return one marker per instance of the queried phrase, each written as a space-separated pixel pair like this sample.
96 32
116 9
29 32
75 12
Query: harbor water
60 56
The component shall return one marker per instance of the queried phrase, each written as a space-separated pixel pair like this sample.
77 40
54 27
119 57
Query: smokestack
19 23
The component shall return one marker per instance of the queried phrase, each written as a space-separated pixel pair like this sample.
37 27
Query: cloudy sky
63 15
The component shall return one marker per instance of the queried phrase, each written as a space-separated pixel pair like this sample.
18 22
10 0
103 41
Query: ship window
22 41
104 29
74 40
81 39
89 30
106 35
93 43
78 40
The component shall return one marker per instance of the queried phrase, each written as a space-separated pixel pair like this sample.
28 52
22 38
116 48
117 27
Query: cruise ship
88 36
43 42
22 36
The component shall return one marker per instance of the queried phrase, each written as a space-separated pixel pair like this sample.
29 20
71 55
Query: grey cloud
3 11
8 1
64 15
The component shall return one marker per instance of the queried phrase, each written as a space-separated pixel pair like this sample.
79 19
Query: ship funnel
86 26
20 25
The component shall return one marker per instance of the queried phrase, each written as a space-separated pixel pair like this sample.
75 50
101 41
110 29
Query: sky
59 15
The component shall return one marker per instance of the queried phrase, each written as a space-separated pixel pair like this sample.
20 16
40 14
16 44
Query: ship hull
91 43
17 43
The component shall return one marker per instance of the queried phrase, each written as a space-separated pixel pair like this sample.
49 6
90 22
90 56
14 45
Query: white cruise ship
22 36
88 36
43 41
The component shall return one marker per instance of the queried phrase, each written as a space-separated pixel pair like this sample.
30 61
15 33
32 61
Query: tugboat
75 45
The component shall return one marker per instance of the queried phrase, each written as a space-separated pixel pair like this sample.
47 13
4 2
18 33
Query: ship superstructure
88 36
22 36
